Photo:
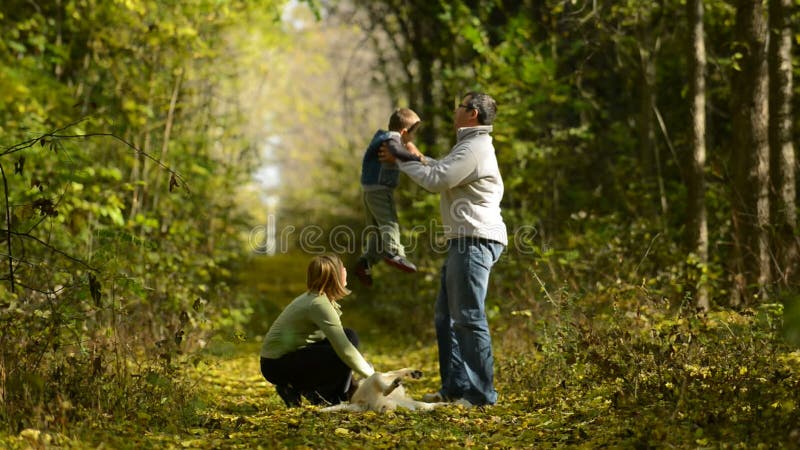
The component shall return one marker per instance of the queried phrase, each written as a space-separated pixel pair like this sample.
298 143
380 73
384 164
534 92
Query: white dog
383 391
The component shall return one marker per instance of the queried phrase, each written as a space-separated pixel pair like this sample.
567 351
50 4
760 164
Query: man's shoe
363 273
400 263
435 397
463 402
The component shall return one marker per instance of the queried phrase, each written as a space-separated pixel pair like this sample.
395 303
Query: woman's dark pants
314 372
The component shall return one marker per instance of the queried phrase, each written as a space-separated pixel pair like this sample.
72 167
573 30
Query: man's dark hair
484 104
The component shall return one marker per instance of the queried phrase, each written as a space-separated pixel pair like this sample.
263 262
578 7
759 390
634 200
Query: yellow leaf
30 434
341 431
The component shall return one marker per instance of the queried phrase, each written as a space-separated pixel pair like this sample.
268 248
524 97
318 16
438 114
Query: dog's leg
413 405
351 407
413 373
397 376
397 382
424 406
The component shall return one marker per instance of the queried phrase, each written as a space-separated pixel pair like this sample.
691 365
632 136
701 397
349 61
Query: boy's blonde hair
325 277
403 118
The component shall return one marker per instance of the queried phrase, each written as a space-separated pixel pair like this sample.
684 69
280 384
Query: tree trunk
426 87
423 38
782 157
750 159
165 141
649 155
647 95
697 231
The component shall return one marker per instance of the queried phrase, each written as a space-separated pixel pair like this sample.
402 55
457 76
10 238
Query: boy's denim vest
375 174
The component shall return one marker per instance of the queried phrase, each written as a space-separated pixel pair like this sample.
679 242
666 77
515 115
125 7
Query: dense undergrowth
640 373
650 374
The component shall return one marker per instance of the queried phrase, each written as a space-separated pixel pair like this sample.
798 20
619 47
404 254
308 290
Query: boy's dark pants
383 227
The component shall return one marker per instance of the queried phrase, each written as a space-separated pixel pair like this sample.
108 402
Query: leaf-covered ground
238 409
244 412
248 414
591 390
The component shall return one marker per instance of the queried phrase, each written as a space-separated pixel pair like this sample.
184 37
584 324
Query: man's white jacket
468 179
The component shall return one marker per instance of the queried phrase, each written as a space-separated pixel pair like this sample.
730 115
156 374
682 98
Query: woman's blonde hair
325 277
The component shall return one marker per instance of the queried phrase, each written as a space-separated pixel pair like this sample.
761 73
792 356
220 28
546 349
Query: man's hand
384 156
414 150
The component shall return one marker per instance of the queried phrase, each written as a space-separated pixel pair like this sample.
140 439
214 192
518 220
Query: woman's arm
326 318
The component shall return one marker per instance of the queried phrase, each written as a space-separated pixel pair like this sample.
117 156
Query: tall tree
648 43
782 156
698 224
416 37
750 158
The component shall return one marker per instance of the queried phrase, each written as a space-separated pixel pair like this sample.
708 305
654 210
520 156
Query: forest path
240 410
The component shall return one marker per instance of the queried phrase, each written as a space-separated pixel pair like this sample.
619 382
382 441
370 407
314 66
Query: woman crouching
306 352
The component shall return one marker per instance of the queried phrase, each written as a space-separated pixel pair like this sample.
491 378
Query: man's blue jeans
466 364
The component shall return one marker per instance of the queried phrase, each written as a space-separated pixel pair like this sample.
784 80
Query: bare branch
56 134
48 246
133 147
8 228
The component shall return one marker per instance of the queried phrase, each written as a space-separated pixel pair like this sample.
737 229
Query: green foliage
568 80
643 373
121 222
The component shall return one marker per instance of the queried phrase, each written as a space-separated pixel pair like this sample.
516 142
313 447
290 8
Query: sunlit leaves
83 203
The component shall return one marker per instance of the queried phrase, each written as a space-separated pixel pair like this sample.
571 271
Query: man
469 181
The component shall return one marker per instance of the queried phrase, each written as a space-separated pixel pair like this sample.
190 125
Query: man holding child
471 188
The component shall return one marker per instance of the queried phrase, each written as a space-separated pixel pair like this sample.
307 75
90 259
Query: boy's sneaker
400 263
362 272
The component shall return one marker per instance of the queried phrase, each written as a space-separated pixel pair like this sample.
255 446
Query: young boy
378 181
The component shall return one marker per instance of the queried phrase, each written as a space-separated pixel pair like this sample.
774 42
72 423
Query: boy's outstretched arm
386 156
399 151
